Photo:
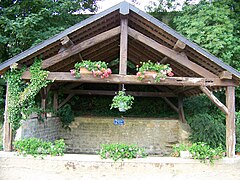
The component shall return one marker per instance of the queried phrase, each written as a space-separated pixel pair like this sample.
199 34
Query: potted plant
122 101
157 70
181 150
97 68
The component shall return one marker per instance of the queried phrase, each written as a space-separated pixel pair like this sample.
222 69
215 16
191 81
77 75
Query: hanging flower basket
157 71
96 68
122 101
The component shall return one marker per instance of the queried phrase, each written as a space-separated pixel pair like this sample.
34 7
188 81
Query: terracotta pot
238 153
85 71
150 73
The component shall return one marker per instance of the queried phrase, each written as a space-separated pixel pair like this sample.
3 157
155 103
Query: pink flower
170 74
139 74
109 71
154 76
73 72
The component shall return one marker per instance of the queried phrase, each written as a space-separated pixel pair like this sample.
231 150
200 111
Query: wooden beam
180 58
80 47
225 75
55 101
170 104
230 122
7 130
132 79
112 93
66 100
179 46
180 109
123 46
214 99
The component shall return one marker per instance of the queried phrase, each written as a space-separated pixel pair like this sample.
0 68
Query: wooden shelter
126 33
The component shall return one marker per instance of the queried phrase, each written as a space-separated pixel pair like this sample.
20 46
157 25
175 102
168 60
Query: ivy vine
21 95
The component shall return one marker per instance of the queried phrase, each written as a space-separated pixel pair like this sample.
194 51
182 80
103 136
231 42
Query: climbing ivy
21 95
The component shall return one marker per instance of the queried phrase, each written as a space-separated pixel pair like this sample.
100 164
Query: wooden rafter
132 79
180 58
80 47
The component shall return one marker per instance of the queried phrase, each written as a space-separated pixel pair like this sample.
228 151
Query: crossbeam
132 79
112 93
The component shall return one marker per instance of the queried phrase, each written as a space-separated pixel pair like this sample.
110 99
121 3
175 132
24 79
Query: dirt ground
75 167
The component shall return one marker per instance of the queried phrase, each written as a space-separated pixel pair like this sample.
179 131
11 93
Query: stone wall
47 130
157 136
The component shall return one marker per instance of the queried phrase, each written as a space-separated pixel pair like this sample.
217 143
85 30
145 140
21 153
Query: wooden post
55 101
7 134
180 109
230 122
123 46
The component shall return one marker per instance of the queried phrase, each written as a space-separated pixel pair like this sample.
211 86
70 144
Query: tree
214 25
25 23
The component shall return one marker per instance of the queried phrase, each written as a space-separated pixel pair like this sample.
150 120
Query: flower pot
150 73
238 153
185 154
85 71
121 107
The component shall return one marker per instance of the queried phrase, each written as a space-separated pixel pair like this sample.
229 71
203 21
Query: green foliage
206 129
39 148
122 101
201 151
204 152
206 121
21 95
1 104
121 151
238 131
162 70
66 115
24 24
211 26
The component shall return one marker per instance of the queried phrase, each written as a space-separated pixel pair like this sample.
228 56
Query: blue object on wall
118 121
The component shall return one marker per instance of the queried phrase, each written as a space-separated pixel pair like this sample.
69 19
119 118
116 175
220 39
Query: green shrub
201 151
204 152
37 147
66 115
238 131
121 151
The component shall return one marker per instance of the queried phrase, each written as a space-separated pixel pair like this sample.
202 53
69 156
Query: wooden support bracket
179 46
214 99
225 75
66 100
